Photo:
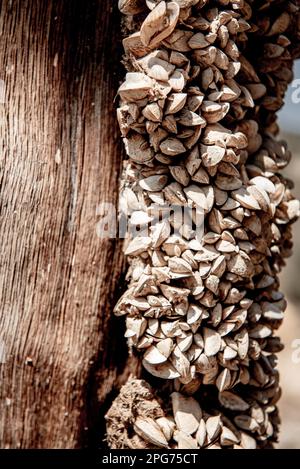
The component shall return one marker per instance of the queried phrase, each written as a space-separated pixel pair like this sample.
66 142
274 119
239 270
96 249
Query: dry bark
58 279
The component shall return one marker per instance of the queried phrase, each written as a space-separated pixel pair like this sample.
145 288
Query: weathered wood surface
58 280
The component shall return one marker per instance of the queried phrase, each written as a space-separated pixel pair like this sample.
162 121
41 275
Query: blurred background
289 121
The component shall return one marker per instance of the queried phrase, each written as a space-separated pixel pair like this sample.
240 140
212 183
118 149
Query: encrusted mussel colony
197 113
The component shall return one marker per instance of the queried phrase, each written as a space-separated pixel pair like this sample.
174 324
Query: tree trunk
61 157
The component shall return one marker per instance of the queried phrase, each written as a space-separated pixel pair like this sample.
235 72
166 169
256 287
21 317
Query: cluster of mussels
198 117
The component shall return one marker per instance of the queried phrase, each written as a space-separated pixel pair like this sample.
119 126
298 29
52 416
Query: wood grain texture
58 280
